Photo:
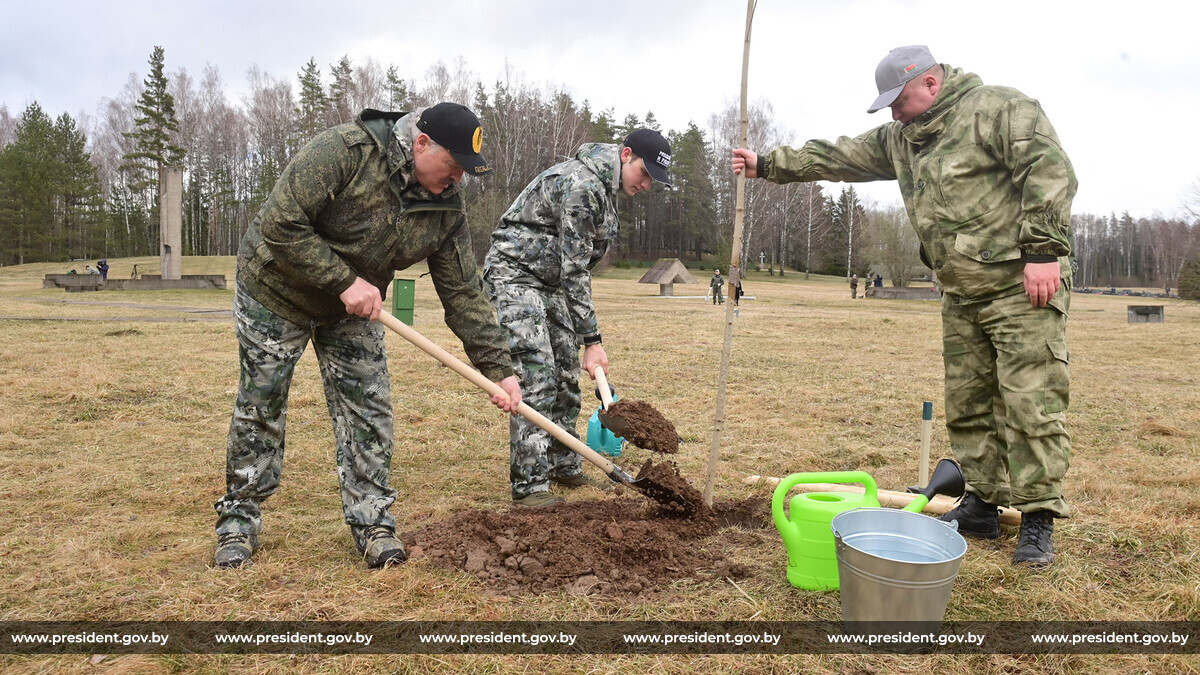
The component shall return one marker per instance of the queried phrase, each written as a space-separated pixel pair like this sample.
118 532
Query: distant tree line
88 188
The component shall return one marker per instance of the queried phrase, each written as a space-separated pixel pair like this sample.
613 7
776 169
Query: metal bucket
895 565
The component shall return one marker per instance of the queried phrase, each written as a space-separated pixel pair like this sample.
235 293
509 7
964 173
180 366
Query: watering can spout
947 479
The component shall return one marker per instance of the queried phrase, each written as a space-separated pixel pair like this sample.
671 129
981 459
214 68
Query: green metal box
403 296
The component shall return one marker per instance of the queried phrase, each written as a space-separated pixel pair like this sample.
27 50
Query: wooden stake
735 270
926 429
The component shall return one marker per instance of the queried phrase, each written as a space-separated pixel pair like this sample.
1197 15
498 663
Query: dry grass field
114 408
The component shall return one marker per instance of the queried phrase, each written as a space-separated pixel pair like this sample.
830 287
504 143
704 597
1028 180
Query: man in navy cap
539 271
360 201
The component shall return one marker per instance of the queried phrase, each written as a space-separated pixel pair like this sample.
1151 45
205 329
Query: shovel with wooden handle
614 423
659 493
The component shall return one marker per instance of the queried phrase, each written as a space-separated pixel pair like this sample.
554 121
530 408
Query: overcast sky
1119 81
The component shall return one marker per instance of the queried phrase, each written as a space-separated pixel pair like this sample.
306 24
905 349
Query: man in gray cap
539 270
989 190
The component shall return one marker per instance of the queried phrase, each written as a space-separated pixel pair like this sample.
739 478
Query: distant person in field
87 269
356 203
539 271
989 188
102 267
717 284
853 286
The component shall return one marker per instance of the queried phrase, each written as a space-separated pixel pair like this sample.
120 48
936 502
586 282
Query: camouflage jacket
983 178
559 228
347 206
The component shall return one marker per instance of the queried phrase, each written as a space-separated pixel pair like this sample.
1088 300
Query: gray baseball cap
896 69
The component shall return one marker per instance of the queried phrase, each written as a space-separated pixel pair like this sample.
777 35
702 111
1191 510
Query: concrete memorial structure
666 273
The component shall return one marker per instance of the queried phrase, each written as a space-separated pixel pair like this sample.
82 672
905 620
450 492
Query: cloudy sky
1120 81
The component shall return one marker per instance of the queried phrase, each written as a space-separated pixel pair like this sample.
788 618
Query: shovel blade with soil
661 482
635 421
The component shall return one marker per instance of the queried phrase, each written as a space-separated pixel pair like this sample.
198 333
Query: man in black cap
539 271
356 203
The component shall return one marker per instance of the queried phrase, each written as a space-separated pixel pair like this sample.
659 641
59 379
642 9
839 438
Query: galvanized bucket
895 565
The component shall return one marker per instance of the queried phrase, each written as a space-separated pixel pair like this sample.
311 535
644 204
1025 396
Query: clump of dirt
123 332
663 484
648 428
614 547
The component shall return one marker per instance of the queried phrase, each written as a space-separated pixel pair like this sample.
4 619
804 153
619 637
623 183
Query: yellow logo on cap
477 139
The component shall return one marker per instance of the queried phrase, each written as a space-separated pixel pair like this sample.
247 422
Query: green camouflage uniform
717 284
539 271
987 188
346 206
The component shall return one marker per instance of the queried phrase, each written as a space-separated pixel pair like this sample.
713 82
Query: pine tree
153 149
693 192
313 102
155 125
26 197
849 222
340 92
627 127
603 129
397 91
78 191
1189 280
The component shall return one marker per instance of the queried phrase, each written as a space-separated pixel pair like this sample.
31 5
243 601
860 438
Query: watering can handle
872 491
788 529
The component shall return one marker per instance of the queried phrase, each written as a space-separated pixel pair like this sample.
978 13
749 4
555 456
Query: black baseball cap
654 150
457 129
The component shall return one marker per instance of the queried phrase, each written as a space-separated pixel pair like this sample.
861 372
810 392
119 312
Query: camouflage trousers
718 294
545 358
1007 391
354 369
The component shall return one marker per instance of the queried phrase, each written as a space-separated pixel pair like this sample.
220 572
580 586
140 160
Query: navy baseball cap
654 150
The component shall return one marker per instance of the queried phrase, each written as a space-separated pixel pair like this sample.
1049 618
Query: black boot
1033 545
976 518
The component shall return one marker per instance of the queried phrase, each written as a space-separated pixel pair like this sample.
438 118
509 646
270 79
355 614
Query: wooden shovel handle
480 380
938 505
602 384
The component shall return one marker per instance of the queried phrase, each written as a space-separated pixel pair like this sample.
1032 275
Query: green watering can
807 534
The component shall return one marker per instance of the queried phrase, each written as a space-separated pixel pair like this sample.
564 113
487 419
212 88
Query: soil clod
663 483
646 427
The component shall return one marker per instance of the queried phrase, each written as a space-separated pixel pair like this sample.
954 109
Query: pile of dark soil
648 428
617 546
663 483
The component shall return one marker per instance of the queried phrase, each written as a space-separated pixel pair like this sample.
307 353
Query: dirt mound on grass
618 546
